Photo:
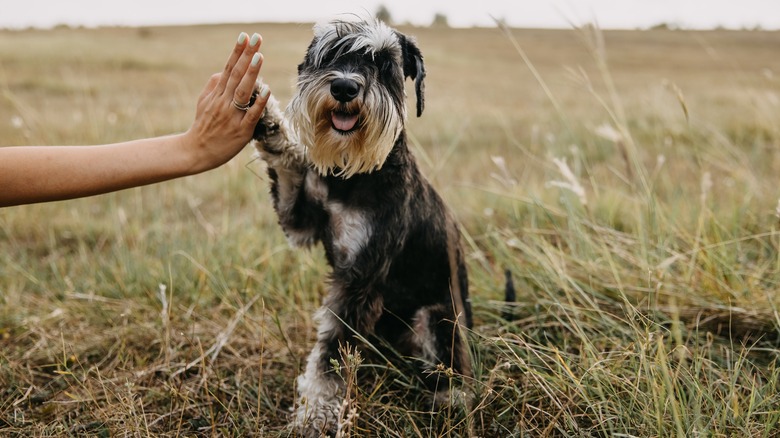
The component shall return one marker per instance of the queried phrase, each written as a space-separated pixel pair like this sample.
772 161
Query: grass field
628 180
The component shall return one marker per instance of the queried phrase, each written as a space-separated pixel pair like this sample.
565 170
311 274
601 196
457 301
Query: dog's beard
361 148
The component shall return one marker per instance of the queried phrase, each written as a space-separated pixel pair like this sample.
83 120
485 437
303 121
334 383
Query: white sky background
608 14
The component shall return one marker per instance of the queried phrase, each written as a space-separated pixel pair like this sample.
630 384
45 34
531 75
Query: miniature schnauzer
342 174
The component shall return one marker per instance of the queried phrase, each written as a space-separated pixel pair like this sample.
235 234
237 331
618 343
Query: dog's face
349 106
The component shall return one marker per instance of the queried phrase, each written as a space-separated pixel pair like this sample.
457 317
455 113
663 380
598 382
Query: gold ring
241 107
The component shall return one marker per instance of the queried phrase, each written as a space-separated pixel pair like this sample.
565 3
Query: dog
342 174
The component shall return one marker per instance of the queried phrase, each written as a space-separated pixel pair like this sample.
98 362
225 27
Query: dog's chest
349 227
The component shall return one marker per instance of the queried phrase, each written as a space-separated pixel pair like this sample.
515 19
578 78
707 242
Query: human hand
221 129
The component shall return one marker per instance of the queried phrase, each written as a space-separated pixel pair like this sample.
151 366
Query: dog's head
349 106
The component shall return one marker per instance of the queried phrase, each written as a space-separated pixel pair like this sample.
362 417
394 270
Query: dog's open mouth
344 122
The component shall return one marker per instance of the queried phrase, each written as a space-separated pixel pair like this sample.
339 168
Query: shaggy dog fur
342 174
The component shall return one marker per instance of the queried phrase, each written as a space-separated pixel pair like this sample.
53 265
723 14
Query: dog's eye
384 63
382 58
328 58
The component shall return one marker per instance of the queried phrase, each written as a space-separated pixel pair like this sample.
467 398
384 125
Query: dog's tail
509 296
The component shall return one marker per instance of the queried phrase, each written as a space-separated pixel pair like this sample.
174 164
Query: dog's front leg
341 321
321 390
288 168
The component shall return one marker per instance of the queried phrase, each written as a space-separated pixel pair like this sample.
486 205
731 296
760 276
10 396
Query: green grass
646 266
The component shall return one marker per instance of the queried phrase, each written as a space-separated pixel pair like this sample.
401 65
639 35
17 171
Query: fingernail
264 91
256 59
242 38
254 40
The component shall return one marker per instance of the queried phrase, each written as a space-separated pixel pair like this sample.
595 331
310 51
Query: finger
231 62
242 64
212 83
243 93
254 112
209 88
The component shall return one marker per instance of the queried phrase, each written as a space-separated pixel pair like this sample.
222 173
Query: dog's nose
344 90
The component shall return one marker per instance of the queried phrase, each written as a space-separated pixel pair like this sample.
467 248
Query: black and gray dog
342 174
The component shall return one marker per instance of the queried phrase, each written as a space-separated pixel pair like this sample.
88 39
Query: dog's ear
414 68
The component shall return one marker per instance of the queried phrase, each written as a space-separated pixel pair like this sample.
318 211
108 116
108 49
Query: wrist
194 153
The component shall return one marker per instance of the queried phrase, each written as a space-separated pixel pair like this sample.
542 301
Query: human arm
30 174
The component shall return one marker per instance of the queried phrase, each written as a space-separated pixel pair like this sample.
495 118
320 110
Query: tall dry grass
626 179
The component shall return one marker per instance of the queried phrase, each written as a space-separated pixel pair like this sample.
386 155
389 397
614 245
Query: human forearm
223 125
48 173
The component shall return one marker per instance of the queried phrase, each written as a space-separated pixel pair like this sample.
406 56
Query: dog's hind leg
442 346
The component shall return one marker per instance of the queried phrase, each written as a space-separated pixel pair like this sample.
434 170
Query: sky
608 14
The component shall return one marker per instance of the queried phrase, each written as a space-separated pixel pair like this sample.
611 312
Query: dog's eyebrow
349 37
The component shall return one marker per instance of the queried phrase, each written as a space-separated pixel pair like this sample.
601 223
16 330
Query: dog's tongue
343 122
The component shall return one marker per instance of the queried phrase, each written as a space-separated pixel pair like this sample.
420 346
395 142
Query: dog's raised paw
269 125
276 141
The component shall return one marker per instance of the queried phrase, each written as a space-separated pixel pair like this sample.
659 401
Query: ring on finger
242 107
